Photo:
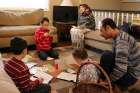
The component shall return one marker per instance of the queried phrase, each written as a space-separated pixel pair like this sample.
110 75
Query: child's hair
17 45
44 19
80 53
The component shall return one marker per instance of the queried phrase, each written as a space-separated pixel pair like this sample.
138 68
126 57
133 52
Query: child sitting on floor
19 72
44 41
89 73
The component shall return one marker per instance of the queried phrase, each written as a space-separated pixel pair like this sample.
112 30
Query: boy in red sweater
19 72
44 41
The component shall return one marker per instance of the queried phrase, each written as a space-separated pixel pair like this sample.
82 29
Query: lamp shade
66 3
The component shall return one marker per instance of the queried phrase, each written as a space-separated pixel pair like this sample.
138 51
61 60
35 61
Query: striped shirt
43 42
127 56
20 74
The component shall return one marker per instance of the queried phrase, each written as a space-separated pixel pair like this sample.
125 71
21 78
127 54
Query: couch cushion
98 45
6 87
95 35
21 18
9 31
6 83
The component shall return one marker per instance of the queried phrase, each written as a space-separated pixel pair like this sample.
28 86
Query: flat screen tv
65 13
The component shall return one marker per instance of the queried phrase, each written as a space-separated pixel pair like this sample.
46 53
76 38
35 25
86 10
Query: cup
56 65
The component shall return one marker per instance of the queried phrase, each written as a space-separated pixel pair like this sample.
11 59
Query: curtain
31 4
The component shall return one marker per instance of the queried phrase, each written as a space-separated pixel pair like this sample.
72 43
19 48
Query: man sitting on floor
123 64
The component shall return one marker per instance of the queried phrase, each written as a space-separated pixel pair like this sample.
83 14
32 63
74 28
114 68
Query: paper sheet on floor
67 76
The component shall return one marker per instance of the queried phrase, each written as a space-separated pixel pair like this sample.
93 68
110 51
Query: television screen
65 13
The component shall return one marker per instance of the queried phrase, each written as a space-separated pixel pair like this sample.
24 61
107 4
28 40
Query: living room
22 18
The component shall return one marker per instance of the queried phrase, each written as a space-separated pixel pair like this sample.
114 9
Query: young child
19 72
44 41
89 73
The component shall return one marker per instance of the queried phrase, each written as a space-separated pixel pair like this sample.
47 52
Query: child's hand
40 80
46 34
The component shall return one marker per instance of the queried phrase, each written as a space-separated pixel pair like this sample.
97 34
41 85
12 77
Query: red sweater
20 74
43 42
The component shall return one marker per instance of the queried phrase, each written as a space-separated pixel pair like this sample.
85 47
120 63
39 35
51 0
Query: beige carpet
64 52
66 56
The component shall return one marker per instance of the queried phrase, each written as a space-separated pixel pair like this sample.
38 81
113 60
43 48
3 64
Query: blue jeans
51 53
42 88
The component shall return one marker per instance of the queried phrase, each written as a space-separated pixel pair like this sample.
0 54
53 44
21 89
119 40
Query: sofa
21 23
6 83
94 40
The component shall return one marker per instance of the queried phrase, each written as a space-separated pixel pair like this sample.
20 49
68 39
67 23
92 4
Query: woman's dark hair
44 19
109 22
87 8
17 45
80 53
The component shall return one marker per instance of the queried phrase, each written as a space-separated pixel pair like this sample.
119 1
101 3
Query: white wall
130 6
103 4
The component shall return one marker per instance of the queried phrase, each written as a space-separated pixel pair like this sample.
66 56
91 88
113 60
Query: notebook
35 70
30 65
67 76
47 78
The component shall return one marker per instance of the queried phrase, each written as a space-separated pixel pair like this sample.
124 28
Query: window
21 4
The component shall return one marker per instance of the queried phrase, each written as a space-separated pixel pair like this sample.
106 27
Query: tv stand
63 32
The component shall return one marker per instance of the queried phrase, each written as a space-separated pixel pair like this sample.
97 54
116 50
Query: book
31 64
67 76
47 77
34 69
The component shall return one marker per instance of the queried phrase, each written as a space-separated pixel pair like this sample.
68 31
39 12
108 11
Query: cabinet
135 32
63 31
